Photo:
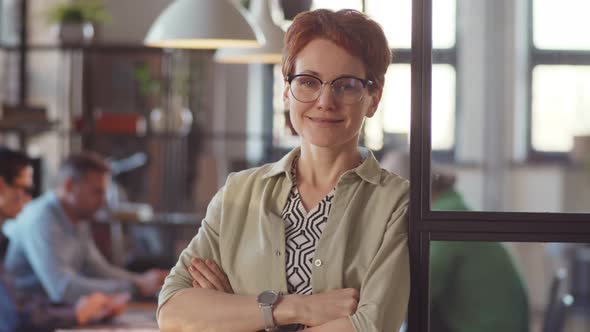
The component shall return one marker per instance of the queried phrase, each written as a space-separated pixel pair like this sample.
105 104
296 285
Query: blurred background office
510 119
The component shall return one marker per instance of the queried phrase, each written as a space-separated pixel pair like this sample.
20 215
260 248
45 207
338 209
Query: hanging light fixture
272 50
204 24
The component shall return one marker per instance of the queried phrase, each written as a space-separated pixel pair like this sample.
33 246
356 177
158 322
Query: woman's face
14 196
327 122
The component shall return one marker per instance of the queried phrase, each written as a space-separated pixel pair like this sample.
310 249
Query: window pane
395 16
443 107
560 106
561 24
443 23
393 115
493 286
338 4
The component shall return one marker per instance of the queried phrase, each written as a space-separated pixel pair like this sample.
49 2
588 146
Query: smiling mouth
323 120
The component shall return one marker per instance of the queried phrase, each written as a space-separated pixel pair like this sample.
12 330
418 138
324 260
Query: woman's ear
374 99
286 97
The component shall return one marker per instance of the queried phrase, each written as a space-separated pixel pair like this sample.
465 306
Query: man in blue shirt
51 247
33 313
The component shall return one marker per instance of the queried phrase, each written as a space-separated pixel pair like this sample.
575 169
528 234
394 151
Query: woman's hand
206 274
330 305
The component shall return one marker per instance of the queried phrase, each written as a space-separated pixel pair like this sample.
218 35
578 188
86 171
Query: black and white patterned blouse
302 233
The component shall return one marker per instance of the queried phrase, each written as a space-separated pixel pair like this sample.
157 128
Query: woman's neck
322 167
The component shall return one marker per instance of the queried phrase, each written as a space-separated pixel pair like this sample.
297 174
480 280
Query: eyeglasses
345 89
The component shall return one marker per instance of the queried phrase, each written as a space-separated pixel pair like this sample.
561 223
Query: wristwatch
266 300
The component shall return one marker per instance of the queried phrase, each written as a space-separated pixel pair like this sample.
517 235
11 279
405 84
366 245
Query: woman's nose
326 99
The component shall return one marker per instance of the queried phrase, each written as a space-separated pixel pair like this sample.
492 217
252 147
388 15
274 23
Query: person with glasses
16 177
19 312
317 240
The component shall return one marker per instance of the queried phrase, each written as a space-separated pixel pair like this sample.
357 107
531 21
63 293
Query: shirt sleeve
60 280
204 245
97 265
385 291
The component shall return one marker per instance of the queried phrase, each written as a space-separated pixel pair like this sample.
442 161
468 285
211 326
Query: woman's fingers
200 278
220 274
204 272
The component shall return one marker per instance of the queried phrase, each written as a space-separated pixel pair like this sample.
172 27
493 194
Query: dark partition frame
427 225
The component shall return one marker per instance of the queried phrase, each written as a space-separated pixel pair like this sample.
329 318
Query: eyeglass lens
345 89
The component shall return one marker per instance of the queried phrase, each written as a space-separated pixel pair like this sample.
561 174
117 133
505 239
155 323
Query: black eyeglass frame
290 77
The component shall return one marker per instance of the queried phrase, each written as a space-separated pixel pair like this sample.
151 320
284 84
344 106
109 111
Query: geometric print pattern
302 233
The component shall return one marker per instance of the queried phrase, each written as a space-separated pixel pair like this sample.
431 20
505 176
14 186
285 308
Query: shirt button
278 253
318 262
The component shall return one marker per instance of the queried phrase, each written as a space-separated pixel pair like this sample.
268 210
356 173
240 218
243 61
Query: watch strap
269 323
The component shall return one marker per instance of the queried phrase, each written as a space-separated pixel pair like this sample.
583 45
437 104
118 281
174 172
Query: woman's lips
324 120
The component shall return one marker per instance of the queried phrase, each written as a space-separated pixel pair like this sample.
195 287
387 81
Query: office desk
139 317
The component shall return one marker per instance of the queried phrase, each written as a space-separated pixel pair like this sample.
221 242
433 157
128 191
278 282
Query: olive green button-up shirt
363 246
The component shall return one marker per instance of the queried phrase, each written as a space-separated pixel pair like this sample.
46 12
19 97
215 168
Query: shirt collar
369 170
56 206
283 166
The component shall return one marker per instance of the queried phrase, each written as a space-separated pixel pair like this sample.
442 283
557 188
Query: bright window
338 4
561 24
393 115
560 78
395 16
560 106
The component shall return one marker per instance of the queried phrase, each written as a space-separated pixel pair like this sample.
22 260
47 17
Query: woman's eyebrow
314 73
310 72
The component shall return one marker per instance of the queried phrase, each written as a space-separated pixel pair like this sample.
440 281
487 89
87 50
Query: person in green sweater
474 286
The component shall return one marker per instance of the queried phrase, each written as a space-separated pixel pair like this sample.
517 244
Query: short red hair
350 29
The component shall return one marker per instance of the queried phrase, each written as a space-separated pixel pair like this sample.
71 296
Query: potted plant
76 21
175 118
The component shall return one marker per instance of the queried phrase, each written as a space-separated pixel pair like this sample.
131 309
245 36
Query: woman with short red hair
317 240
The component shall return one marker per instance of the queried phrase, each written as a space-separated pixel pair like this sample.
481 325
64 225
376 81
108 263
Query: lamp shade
272 50
204 24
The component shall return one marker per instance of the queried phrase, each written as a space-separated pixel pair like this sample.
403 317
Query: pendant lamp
272 50
204 24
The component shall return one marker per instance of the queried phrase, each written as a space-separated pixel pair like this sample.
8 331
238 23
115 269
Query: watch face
267 298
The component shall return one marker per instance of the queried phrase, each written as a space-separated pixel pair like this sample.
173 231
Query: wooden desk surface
139 317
